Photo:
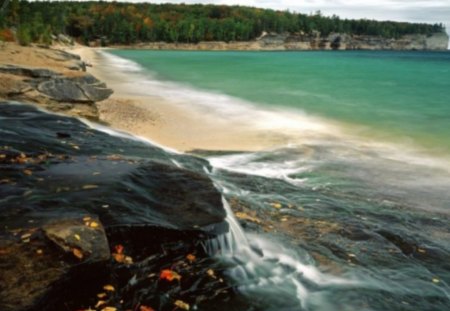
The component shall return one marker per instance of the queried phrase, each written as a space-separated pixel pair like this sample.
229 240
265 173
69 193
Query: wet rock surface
83 209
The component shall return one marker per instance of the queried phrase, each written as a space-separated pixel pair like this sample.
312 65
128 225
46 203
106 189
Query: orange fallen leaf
169 275
119 257
109 309
77 253
100 303
181 304
191 258
146 308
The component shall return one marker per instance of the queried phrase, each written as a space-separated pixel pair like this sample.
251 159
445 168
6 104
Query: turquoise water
360 175
394 96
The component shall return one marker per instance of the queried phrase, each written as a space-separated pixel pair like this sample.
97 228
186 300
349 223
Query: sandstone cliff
336 41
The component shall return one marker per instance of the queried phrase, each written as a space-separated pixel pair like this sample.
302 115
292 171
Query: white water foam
293 127
260 265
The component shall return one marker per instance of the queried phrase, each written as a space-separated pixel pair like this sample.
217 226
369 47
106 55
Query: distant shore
285 42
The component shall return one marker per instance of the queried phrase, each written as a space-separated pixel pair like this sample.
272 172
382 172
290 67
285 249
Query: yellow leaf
39 251
245 216
87 218
101 295
109 288
181 304
77 237
276 205
109 309
435 280
100 303
25 236
93 224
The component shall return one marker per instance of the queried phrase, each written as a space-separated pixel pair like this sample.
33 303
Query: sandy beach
167 123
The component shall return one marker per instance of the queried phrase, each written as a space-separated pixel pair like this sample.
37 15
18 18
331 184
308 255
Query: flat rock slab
83 89
29 72
84 237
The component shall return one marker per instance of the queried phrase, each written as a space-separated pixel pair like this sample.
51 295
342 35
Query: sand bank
164 122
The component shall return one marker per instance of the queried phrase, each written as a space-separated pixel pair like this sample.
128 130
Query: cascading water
262 268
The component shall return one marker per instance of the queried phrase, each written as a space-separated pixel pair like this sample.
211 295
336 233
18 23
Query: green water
393 96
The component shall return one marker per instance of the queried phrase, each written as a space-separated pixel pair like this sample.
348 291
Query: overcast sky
427 11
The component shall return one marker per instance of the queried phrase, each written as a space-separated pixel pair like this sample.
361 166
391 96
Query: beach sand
166 123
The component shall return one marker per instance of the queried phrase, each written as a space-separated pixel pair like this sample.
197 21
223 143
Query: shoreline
169 123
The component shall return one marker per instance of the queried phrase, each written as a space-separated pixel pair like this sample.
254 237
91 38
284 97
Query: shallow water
354 203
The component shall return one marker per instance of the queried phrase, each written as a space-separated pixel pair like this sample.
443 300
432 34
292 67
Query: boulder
84 237
30 264
85 89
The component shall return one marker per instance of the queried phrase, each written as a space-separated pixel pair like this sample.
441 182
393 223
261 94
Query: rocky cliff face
336 41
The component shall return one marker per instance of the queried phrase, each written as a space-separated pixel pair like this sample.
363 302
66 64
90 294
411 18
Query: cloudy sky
427 11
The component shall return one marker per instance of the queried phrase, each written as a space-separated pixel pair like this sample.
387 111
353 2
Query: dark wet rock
406 246
82 89
68 181
84 236
29 72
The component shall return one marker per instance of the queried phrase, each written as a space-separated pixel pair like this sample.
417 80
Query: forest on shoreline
129 23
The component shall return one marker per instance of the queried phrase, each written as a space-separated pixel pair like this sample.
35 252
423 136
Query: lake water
356 193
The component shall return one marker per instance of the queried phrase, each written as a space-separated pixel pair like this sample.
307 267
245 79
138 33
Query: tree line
126 23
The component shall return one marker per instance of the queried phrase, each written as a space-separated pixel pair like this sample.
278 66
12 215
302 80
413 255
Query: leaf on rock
28 172
101 295
109 288
77 253
119 257
169 275
181 304
191 258
276 205
93 224
89 187
245 216
211 273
